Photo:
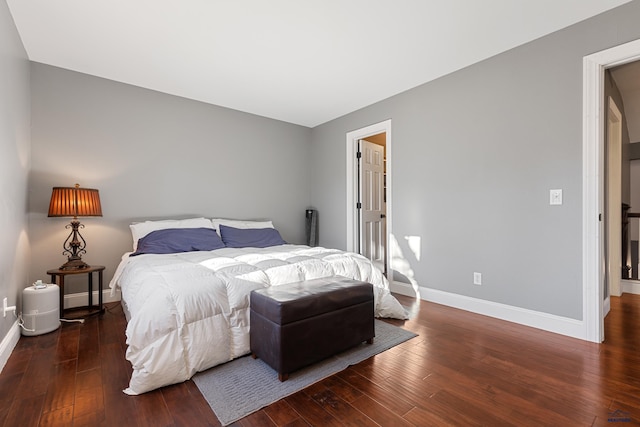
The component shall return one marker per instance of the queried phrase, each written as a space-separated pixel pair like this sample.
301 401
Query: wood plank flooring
463 369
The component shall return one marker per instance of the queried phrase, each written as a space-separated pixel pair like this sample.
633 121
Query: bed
186 285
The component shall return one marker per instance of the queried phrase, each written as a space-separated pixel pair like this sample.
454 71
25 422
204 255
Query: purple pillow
250 237
174 240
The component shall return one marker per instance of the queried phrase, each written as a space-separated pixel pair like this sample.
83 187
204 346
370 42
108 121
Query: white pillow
236 223
141 229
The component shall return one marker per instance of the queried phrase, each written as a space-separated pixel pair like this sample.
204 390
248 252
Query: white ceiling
300 61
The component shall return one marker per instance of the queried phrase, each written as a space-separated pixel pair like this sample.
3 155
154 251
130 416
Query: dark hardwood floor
463 369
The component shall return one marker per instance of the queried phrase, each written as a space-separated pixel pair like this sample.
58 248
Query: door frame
352 139
593 140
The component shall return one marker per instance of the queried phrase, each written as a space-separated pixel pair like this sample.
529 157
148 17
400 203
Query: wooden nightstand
57 277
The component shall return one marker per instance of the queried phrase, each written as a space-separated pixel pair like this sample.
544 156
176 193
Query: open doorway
595 107
369 193
626 79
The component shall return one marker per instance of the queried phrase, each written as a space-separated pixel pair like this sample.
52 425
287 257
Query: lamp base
74 264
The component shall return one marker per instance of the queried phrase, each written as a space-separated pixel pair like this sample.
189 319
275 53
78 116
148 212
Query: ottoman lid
300 300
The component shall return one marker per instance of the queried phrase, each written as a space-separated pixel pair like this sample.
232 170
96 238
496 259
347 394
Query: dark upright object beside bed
301 323
311 227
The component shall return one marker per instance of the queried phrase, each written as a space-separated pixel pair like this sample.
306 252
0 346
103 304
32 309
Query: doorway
359 240
594 116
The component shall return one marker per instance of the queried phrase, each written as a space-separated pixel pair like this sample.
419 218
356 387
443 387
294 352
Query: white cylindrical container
40 309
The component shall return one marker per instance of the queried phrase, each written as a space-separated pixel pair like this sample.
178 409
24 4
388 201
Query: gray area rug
245 385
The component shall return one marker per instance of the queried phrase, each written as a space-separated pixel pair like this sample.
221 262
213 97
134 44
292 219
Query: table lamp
74 202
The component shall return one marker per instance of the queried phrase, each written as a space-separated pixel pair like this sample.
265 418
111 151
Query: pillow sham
141 229
238 223
175 240
250 237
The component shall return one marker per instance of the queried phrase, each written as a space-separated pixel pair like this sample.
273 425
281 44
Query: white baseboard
81 299
630 286
8 344
536 319
402 288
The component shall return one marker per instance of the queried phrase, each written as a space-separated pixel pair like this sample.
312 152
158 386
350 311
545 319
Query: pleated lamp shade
74 202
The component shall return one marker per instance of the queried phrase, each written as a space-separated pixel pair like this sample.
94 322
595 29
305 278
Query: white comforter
190 311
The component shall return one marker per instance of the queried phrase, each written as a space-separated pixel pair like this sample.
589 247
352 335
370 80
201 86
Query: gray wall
15 161
152 156
474 155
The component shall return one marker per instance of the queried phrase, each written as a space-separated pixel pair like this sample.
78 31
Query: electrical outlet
477 278
5 308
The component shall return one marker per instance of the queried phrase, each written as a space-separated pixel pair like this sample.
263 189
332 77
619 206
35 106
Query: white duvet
190 311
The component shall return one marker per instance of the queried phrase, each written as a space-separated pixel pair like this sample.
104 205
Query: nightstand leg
61 290
100 291
90 290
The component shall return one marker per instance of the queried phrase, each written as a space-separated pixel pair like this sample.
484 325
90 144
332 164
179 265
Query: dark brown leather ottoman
301 323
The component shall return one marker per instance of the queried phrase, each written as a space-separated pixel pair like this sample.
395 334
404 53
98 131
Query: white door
372 206
614 200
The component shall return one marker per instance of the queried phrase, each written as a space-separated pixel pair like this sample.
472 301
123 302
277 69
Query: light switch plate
555 197
477 278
